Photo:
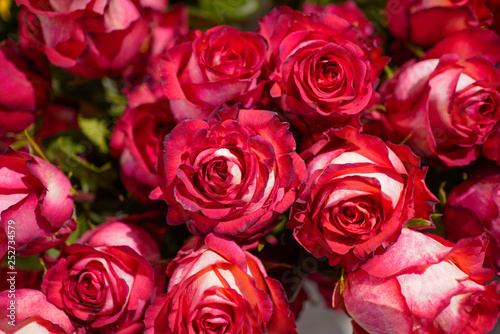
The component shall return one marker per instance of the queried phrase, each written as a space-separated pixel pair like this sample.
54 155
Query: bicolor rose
88 38
447 105
211 69
423 284
427 22
33 313
216 287
36 205
232 177
359 194
136 141
324 74
473 208
103 288
25 76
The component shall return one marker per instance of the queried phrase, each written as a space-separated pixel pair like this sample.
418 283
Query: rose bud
350 12
136 141
359 194
211 69
33 313
428 22
446 106
324 74
36 205
91 39
215 286
473 208
105 288
233 177
422 284
25 76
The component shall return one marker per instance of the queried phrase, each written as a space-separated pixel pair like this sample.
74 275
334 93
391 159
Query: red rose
101 288
87 38
33 313
473 208
25 76
232 177
213 68
324 72
216 287
427 22
136 141
36 206
423 284
359 194
447 105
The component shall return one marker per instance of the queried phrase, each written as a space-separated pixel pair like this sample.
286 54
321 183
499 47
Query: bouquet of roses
187 167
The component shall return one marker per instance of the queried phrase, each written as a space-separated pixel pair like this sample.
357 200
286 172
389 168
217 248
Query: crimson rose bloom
427 22
447 105
232 177
35 202
137 139
25 77
102 288
324 72
223 65
216 287
473 208
359 194
87 38
423 284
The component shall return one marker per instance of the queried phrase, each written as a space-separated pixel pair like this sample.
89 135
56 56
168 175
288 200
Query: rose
350 12
208 70
425 284
136 141
216 287
25 76
36 204
87 38
428 22
117 233
359 194
473 208
324 74
33 313
102 288
232 177
447 105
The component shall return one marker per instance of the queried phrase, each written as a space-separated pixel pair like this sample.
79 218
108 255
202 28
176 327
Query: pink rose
33 313
36 206
359 194
324 74
137 139
427 22
473 208
350 12
216 287
87 38
423 284
447 105
25 76
103 288
210 69
232 177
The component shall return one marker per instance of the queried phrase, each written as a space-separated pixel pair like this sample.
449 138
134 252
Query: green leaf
230 10
82 227
261 246
112 95
442 194
342 281
96 131
283 219
30 263
35 146
418 222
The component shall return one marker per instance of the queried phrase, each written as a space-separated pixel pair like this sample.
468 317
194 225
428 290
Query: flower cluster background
197 166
